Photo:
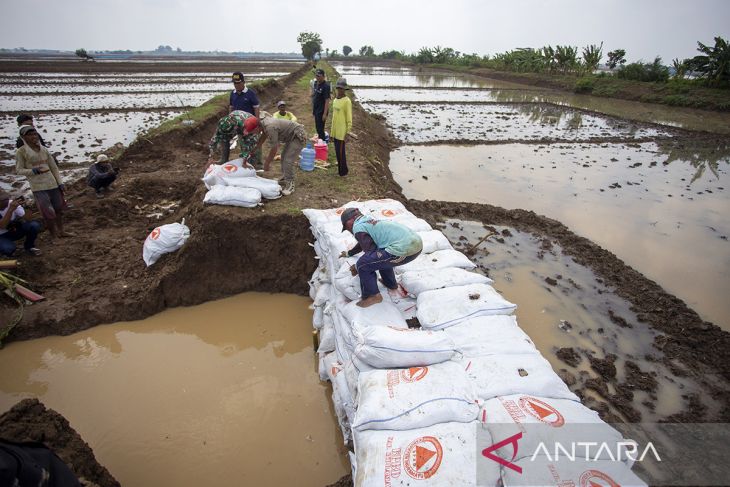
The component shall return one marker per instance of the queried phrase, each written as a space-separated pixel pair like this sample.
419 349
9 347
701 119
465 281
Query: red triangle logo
423 455
541 411
593 484
413 370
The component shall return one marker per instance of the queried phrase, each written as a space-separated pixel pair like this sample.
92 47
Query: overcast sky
644 28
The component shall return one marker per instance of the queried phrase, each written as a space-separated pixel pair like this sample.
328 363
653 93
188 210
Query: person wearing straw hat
33 161
282 113
341 124
385 244
101 175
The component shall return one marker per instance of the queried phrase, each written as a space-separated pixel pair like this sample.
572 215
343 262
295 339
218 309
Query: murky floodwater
647 204
414 78
225 393
94 101
417 123
573 313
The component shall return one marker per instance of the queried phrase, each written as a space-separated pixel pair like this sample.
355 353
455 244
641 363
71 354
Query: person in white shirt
14 226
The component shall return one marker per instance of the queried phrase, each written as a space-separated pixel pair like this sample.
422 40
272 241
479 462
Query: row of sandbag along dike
437 384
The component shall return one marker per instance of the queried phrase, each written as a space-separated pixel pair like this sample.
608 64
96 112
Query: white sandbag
210 177
415 224
437 260
319 277
233 196
548 422
343 390
323 294
318 317
564 472
268 188
490 335
416 397
441 308
380 314
418 281
326 361
381 208
434 240
339 403
164 239
345 282
384 347
326 339
439 455
502 375
236 169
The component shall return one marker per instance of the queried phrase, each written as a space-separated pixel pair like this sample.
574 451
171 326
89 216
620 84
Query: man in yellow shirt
282 113
341 124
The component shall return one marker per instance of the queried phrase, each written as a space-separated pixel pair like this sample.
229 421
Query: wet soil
99 277
29 420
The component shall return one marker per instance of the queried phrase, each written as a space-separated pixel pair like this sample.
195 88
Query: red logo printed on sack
155 234
389 213
230 168
340 211
413 374
512 440
542 411
422 457
596 478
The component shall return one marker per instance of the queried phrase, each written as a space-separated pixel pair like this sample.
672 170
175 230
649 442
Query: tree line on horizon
711 66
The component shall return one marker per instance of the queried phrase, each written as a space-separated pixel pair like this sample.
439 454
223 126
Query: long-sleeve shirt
100 171
26 159
394 238
341 118
230 126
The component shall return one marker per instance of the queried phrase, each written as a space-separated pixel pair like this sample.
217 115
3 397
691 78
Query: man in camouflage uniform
233 124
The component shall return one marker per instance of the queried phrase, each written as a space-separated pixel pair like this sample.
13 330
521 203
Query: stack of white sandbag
413 399
235 184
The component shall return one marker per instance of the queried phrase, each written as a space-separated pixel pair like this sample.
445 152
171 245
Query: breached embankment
99 277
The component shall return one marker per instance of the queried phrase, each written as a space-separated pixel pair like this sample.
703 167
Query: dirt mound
29 420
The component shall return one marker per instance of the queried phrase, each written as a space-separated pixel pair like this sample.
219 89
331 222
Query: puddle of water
659 221
114 88
223 393
572 313
414 123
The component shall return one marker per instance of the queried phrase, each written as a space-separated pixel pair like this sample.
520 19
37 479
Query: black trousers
341 157
319 124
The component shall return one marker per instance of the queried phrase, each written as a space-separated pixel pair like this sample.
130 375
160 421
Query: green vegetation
83 54
7 285
700 82
311 44
346 50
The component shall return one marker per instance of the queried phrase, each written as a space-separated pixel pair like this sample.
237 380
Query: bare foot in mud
371 300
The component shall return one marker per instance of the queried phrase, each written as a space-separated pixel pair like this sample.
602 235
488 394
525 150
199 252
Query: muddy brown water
225 393
666 218
561 304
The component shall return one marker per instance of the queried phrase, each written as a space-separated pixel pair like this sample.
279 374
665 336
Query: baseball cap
250 124
347 215
237 77
319 72
281 102
341 83
27 128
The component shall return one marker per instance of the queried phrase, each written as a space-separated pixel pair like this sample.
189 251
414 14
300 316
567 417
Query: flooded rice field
231 382
589 335
627 175
88 109
437 122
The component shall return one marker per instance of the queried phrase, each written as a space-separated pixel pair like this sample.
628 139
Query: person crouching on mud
386 244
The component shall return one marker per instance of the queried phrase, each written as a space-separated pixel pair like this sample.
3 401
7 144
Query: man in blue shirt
386 244
242 97
245 99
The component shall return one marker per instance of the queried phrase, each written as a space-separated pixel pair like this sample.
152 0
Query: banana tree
592 56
